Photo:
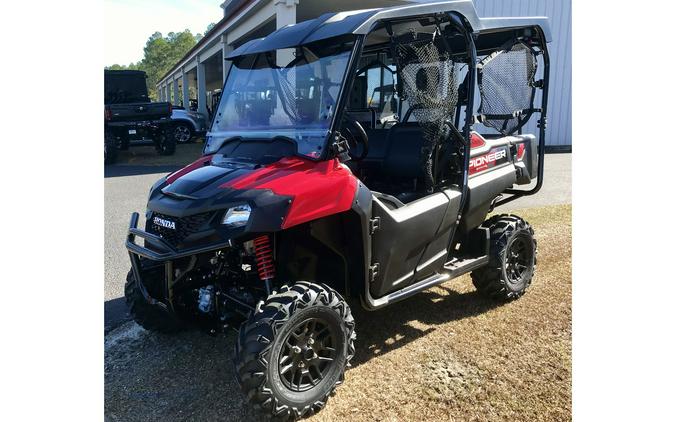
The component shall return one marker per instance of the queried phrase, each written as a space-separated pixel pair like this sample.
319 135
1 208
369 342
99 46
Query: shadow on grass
385 330
190 375
114 313
186 376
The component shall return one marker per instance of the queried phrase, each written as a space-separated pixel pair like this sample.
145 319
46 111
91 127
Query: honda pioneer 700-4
355 155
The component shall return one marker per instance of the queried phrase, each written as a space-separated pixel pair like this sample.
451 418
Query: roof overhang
361 22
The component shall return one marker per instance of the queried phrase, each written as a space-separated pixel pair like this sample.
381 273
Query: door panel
436 252
402 238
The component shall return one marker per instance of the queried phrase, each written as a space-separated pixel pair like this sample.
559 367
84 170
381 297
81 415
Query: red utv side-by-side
364 167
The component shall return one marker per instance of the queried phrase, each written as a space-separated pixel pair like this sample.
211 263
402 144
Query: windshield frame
333 124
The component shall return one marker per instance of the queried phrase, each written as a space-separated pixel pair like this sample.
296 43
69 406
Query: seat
402 159
402 165
393 165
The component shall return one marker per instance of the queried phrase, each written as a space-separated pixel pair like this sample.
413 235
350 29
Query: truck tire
109 148
512 260
148 316
292 353
166 144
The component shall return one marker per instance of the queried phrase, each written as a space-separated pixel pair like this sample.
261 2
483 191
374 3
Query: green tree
209 27
159 55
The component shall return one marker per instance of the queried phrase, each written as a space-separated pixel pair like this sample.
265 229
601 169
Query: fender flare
181 120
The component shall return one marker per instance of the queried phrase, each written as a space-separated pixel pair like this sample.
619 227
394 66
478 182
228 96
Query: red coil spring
263 257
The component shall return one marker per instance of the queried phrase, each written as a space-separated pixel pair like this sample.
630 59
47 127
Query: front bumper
142 129
139 123
160 251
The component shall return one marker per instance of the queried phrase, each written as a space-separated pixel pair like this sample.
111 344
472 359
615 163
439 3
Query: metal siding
559 131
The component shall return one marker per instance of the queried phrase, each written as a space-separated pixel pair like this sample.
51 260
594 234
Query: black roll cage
541 124
460 23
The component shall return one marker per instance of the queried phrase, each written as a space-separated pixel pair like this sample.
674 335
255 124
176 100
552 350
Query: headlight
237 216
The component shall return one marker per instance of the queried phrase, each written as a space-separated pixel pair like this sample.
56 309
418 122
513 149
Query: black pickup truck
130 115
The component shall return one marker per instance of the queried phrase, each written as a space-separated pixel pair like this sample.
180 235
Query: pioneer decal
486 161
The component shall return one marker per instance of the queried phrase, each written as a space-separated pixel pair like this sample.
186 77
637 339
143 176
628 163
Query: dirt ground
445 354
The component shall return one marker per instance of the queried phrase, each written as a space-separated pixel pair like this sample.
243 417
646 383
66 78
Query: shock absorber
263 259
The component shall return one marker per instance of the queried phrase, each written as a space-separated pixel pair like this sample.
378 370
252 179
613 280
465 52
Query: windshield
298 101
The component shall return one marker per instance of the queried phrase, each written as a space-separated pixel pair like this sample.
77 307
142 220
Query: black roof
362 21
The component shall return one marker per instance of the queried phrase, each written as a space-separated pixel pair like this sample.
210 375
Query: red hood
318 188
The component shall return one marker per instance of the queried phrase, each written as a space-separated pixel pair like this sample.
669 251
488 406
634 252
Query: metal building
559 134
204 67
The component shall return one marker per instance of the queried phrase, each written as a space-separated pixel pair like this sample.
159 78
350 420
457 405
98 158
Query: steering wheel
356 137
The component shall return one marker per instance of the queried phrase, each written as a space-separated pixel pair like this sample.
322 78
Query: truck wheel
183 133
166 145
513 259
292 353
109 149
148 316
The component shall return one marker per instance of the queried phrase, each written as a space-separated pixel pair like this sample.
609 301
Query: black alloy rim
308 354
518 259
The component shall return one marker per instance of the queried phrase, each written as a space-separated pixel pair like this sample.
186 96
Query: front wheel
292 353
513 259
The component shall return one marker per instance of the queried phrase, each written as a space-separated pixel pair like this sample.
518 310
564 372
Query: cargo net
506 83
429 82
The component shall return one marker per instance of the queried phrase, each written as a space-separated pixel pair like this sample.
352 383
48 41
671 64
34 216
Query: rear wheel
513 259
292 353
166 144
